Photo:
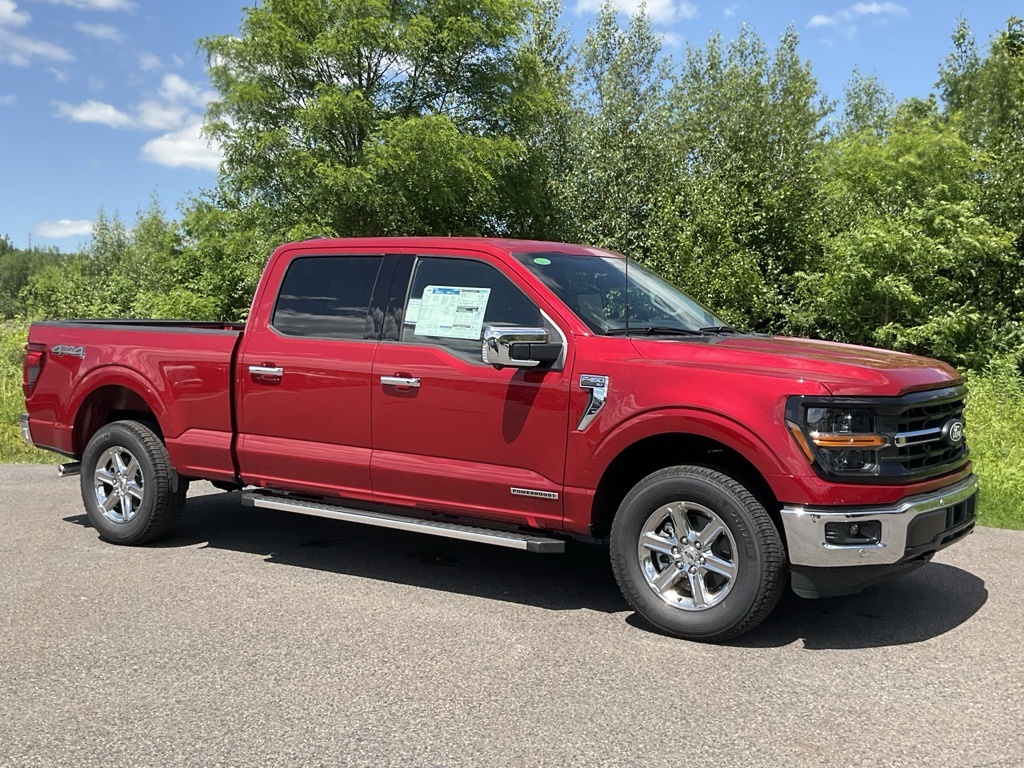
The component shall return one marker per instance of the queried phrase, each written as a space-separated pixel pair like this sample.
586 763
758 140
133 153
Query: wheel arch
116 395
706 440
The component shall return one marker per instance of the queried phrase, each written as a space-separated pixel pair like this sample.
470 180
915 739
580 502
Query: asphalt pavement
254 637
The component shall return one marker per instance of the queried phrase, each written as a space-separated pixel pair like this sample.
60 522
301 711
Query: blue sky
101 100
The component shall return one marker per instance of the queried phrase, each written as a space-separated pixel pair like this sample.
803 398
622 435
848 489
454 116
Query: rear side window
327 297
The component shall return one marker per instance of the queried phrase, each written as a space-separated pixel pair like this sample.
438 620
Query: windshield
594 287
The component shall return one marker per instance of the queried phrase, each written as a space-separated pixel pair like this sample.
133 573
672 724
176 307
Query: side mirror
519 347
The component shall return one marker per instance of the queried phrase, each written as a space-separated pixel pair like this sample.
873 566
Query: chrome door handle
399 381
266 370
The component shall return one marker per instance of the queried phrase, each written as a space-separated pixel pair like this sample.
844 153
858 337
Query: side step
529 542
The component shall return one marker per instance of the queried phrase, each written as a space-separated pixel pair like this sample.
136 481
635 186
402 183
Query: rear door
304 375
450 432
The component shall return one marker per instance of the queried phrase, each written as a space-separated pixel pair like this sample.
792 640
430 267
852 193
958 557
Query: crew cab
521 394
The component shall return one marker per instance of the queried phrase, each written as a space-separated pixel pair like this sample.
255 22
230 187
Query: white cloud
730 10
94 112
10 16
59 76
847 16
101 31
63 228
19 50
7 100
178 97
660 11
149 62
97 5
185 148
672 39
159 116
177 88
873 9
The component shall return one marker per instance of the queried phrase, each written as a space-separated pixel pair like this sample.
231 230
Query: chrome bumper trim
805 527
26 430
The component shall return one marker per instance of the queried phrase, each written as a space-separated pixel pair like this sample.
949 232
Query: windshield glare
594 287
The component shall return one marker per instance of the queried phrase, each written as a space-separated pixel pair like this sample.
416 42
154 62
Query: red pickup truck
521 394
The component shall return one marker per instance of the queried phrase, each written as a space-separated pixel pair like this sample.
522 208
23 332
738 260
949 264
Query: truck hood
843 369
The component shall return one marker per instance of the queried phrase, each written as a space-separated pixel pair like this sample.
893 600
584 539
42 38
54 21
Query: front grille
919 437
914 425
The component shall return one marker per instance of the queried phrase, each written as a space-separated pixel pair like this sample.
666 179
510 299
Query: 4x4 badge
62 350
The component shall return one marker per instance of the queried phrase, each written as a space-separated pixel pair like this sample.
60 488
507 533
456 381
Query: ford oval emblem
953 431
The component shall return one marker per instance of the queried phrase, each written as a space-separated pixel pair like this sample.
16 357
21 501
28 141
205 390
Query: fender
115 375
680 420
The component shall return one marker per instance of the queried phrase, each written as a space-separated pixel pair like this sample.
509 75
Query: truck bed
182 371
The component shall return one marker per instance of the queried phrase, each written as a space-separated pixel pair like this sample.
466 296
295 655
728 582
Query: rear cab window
327 297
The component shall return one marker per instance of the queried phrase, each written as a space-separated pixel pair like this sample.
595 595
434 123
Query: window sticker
452 312
412 312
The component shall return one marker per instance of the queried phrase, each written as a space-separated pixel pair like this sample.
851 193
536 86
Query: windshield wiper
654 330
719 329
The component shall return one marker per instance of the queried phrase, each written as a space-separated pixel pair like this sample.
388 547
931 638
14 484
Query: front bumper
910 529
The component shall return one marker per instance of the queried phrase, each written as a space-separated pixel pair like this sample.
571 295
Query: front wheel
130 491
696 554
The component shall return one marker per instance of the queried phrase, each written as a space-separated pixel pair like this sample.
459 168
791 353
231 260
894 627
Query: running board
529 542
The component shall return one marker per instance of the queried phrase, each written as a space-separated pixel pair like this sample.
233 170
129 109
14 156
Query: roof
506 244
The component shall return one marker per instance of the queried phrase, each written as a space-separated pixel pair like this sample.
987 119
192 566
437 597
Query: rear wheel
696 554
130 491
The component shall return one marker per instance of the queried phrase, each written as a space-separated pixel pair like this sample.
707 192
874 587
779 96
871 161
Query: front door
452 433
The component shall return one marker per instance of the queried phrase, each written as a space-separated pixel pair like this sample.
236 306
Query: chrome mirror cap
499 341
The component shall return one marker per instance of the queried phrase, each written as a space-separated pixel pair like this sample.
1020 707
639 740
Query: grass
12 400
995 424
995 431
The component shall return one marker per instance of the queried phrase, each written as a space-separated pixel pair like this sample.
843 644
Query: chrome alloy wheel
688 556
120 487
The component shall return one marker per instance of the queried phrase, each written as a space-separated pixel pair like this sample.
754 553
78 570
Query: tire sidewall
633 513
116 436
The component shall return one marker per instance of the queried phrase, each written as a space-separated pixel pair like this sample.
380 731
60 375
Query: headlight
841 439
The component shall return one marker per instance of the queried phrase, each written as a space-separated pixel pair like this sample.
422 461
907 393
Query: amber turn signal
847 441
798 435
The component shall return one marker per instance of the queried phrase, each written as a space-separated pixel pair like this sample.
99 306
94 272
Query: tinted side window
327 297
451 300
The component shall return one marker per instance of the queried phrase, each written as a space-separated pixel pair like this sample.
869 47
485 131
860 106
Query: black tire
145 499
670 582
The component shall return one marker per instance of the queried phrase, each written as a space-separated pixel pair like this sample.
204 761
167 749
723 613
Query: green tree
984 98
910 261
356 117
744 213
612 165
16 267
137 272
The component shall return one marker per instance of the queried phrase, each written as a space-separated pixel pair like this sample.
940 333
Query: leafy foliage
370 117
995 413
